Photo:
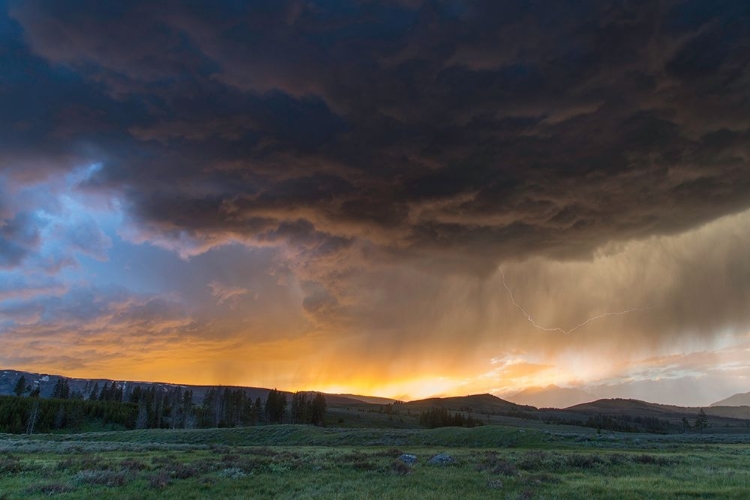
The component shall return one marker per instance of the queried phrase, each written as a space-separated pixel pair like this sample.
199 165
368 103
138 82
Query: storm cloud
386 159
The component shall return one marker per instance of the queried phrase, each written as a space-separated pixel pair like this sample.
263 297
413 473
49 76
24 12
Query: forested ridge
115 406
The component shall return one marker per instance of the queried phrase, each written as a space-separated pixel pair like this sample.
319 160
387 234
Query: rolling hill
476 403
735 400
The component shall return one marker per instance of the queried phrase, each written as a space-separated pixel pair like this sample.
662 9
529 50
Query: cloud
225 293
19 287
563 142
386 158
89 324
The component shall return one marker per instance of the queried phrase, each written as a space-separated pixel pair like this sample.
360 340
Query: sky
400 198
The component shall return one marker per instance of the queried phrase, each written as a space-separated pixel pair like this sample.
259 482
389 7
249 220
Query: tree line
152 407
440 417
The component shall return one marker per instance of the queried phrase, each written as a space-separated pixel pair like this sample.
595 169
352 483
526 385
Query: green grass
306 463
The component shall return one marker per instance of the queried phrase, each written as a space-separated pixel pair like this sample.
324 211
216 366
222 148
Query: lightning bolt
557 329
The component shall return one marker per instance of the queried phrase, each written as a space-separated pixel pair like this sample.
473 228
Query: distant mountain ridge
478 403
642 408
742 399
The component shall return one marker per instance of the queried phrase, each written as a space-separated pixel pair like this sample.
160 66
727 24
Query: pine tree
187 409
258 409
62 389
701 421
275 406
104 395
20 388
299 408
318 413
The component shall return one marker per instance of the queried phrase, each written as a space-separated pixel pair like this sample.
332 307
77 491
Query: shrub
400 468
50 489
134 465
532 460
652 460
526 495
278 468
363 465
159 481
584 461
183 471
496 465
617 459
10 465
101 477
390 453
542 477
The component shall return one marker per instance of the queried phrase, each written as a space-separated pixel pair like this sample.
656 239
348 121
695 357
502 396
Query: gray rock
408 459
442 459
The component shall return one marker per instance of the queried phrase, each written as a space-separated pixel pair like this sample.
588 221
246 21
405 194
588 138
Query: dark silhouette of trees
62 389
701 421
318 410
440 417
112 392
20 388
94 394
275 406
32 415
306 410
153 407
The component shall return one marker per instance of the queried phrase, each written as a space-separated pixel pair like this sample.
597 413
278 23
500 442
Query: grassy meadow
308 462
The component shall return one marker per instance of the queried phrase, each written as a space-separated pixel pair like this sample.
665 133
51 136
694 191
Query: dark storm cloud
450 134
491 127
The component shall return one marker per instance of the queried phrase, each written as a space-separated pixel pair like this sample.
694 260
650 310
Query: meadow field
304 462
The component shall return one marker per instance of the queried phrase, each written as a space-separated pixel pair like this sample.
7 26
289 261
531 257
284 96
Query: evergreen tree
104 395
20 388
62 389
187 409
135 394
299 408
94 395
275 406
701 421
258 409
141 421
318 410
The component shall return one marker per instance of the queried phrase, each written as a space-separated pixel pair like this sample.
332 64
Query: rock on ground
442 459
408 459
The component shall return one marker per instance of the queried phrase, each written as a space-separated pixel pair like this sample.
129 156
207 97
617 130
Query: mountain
479 403
551 396
621 406
373 400
736 400
635 408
